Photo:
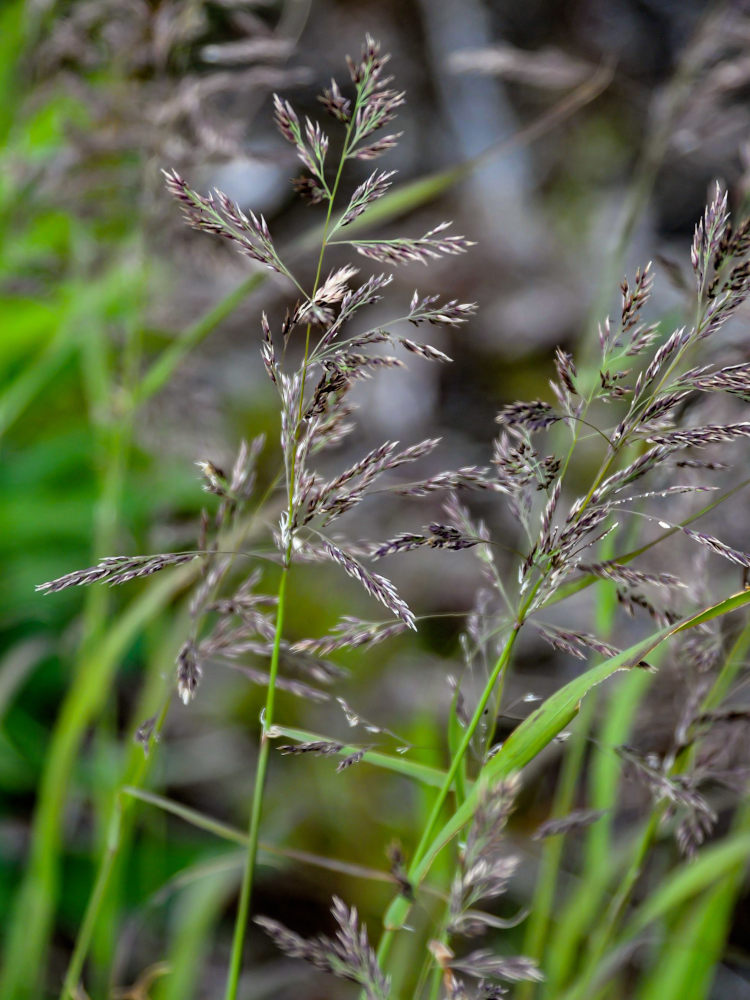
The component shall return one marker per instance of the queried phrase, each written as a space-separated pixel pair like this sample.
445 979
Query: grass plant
660 410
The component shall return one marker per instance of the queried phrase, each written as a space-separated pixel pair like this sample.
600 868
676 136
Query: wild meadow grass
612 488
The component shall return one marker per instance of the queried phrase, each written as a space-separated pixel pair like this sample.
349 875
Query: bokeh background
588 133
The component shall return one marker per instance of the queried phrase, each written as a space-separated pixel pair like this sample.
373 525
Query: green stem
319 269
243 909
120 808
610 921
463 747
437 972
537 929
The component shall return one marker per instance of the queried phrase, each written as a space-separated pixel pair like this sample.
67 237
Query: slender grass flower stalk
314 415
314 412
645 378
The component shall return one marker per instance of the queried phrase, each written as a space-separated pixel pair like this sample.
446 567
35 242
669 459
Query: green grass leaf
423 773
536 732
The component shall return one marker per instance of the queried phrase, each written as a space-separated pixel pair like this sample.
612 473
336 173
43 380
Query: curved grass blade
33 908
685 964
726 859
536 732
691 878
236 836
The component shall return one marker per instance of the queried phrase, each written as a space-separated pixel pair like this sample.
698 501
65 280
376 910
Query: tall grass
610 473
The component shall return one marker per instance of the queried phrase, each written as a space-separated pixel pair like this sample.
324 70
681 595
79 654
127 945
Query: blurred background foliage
130 350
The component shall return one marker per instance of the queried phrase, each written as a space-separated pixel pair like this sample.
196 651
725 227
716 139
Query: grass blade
685 963
537 731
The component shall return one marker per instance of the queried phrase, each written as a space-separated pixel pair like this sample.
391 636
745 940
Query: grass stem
243 909
121 806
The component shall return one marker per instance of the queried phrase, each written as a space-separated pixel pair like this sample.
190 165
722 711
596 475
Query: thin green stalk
464 746
122 805
225 832
437 972
606 927
425 774
243 909
537 928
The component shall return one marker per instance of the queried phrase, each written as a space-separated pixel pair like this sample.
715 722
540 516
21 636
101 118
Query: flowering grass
657 468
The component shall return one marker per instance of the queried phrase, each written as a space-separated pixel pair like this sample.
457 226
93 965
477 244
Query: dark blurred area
592 133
